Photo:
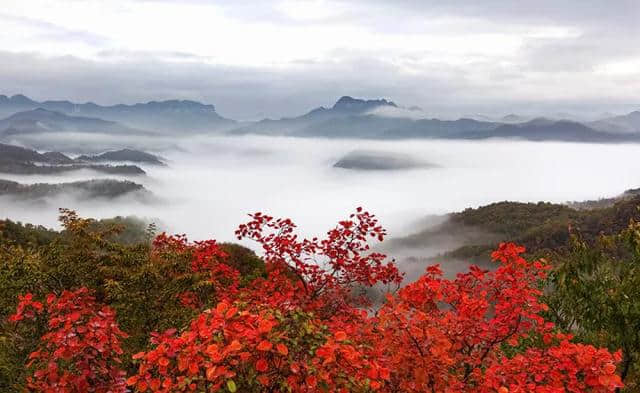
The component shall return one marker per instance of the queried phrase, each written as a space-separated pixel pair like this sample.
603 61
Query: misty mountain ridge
41 120
474 232
21 154
371 126
542 129
350 104
88 189
28 168
129 155
22 161
347 105
158 116
629 123
513 118
16 100
349 117
357 118
57 157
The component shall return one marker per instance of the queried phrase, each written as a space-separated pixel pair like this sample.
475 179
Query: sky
275 58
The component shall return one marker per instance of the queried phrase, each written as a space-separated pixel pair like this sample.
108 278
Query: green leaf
231 385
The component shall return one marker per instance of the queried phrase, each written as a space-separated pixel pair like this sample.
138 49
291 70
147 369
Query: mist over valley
211 182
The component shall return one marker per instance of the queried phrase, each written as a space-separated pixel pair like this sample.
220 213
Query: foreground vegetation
111 307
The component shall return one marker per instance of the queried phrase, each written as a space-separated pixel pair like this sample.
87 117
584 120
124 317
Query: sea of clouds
212 183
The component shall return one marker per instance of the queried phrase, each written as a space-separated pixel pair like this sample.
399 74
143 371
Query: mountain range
23 161
348 118
40 120
629 123
157 116
127 155
355 118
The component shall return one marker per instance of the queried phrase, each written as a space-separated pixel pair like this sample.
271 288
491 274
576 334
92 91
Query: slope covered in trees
22 161
541 227
165 314
84 189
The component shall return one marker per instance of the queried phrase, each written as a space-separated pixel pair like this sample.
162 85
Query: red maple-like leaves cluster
329 270
304 327
467 335
80 352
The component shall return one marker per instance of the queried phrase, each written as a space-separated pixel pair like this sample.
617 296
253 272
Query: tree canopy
173 315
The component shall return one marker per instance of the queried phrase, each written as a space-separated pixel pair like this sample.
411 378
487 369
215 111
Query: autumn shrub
303 324
81 348
151 286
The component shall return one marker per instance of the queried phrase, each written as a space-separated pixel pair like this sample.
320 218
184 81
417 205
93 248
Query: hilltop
19 160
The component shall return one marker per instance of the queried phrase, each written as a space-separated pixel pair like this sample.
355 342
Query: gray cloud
45 31
590 12
237 92
541 73
245 93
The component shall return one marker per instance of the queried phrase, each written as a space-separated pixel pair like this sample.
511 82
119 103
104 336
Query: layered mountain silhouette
628 123
129 155
87 189
357 118
158 116
349 117
23 161
45 121
513 118
550 130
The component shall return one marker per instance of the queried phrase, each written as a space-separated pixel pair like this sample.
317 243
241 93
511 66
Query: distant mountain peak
629 123
512 117
160 116
36 113
318 110
42 110
179 104
125 155
20 99
348 103
41 113
539 121
17 99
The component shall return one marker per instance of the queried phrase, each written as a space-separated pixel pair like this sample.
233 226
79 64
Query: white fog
211 183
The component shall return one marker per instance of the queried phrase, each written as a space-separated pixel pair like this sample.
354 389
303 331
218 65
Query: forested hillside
112 306
541 227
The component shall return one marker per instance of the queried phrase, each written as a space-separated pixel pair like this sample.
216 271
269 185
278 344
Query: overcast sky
273 58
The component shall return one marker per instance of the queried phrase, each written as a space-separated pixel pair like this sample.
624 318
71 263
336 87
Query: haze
213 182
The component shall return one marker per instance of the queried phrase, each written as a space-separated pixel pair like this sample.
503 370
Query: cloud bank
280 58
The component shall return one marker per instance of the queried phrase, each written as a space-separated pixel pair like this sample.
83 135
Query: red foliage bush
304 327
80 351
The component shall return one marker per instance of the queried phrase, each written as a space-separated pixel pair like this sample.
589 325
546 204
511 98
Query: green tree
595 293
